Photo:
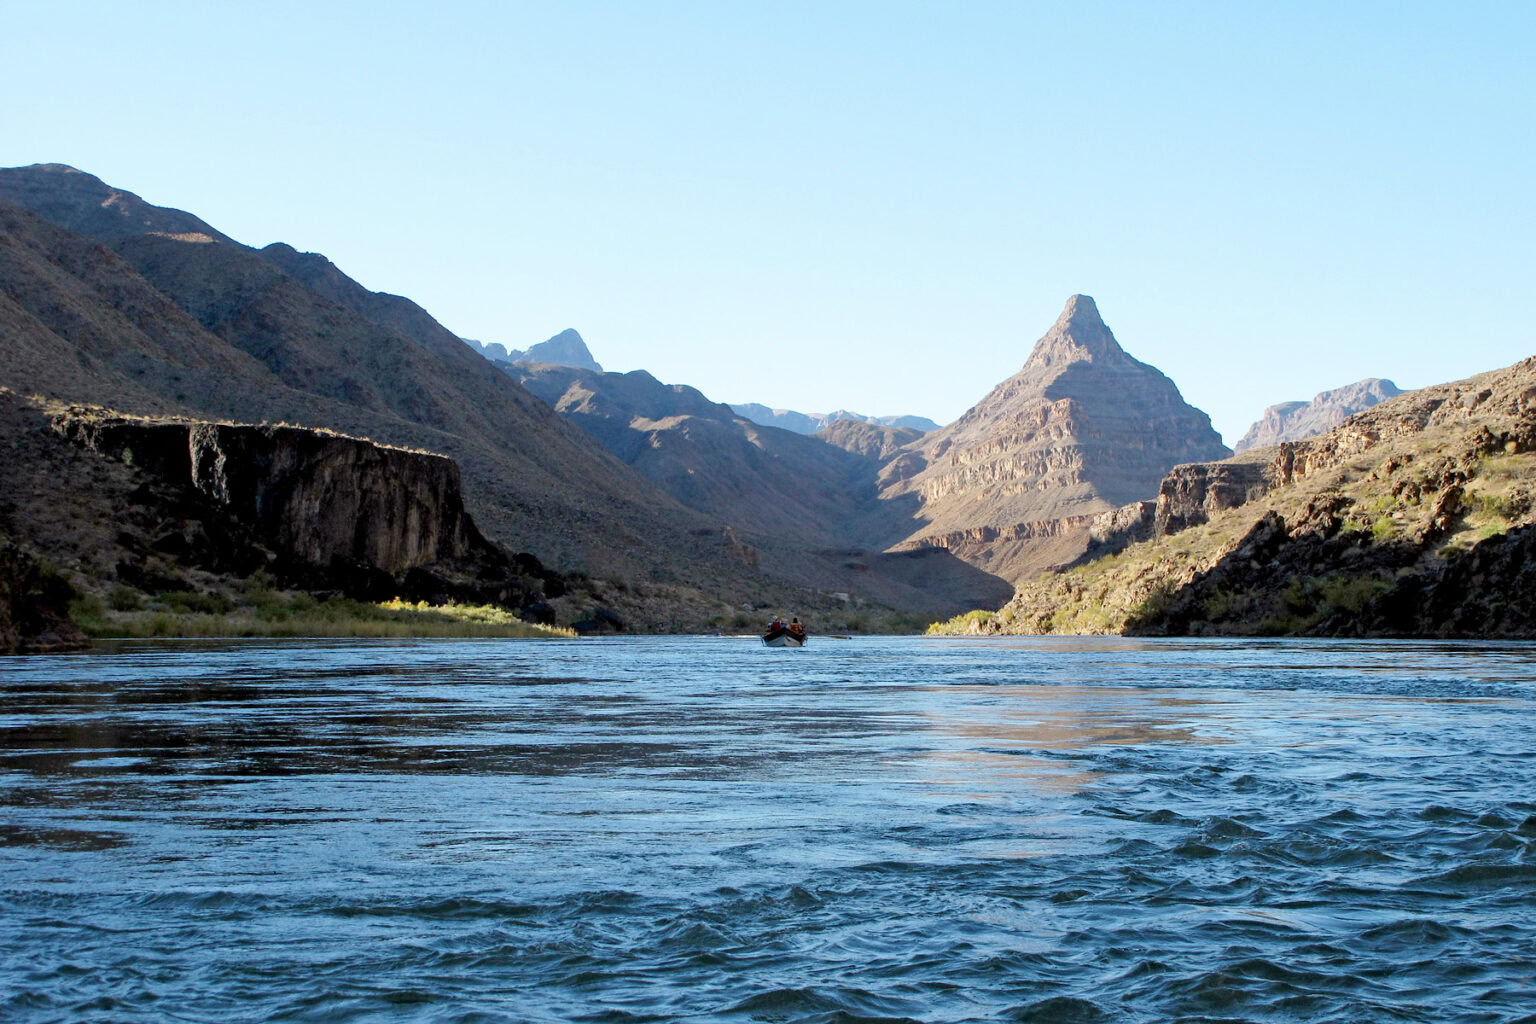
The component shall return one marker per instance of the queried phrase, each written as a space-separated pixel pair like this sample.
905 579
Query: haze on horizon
877 207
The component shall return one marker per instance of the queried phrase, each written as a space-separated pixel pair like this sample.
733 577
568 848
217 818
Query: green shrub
193 601
1350 594
124 599
1497 505
1219 605
87 611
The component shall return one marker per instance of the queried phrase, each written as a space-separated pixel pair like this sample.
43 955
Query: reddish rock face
1082 429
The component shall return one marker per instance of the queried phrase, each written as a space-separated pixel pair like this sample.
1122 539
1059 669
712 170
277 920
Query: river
701 829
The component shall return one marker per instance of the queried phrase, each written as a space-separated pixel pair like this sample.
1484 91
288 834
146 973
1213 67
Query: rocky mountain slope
154 311
1415 517
811 423
1083 428
1292 421
870 440
808 507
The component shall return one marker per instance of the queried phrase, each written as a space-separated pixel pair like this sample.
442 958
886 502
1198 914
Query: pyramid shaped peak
1082 309
1079 335
565 349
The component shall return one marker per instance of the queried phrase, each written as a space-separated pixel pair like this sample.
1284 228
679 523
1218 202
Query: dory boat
785 636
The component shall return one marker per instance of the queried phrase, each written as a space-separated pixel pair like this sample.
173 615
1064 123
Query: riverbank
279 615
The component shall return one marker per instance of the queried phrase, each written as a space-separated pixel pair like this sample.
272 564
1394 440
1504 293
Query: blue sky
877 206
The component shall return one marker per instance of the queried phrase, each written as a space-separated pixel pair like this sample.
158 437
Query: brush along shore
276 614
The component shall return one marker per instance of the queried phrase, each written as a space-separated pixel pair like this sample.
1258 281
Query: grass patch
269 614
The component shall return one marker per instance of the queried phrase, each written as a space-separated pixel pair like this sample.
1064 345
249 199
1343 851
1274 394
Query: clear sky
877 206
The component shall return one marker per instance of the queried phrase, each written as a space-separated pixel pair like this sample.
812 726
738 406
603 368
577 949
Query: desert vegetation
260 611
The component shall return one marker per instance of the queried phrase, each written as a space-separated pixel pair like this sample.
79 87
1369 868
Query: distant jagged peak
1078 336
565 349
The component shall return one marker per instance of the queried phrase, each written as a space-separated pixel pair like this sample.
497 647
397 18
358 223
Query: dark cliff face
158 504
311 495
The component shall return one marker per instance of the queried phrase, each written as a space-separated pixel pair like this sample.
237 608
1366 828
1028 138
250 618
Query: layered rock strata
1082 429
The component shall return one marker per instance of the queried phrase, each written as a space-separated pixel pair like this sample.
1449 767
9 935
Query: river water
702 829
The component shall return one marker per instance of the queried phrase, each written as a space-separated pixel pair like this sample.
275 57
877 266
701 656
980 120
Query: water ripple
694 829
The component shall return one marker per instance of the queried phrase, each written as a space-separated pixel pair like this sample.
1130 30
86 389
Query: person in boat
796 630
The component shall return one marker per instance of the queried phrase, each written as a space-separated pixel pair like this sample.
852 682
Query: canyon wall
310 494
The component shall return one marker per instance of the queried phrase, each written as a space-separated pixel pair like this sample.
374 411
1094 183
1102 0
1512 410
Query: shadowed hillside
810 508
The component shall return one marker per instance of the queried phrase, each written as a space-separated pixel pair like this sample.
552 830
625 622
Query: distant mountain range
569 349
810 423
1009 488
810 503
1292 421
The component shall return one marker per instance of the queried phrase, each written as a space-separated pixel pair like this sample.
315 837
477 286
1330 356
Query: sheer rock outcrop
312 494
315 510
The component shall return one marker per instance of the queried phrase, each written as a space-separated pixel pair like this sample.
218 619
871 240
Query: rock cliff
309 494
1081 429
1292 421
162 505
